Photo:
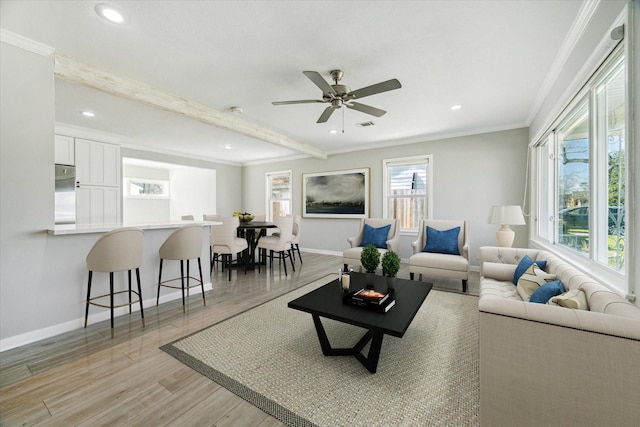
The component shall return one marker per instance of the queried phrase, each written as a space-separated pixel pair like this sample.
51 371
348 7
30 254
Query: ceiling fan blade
319 81
302 101
325 115
366 109
376 88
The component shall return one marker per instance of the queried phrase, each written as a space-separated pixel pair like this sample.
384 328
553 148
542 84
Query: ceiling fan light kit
339 95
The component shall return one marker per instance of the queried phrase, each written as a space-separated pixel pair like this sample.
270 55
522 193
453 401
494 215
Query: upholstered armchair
368 226
441 251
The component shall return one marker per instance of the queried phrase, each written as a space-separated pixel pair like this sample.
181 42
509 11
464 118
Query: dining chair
297 222
213 258
280 244
114 251
184 244
187 217
224 242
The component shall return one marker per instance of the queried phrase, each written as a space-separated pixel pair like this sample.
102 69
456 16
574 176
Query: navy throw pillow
547 291
442 242
375 236
524 265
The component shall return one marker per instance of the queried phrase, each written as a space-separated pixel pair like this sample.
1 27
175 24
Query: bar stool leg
129 277
201 281
182 282
140 296
111 299
187 278
159 281
86 314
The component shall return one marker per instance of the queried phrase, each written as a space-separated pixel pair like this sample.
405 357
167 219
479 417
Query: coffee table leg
370 361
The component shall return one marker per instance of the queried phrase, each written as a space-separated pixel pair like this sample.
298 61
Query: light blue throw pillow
524 265
442 242
547 291
375 236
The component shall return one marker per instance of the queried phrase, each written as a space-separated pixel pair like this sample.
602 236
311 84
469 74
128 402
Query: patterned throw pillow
575 299
531 280
525 263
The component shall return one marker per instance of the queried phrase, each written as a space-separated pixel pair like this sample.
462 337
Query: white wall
470 173
137 210
193 192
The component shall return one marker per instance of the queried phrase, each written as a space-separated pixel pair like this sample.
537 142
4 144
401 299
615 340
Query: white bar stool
184 244
117 250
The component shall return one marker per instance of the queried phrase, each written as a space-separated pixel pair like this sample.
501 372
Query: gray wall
470 173
27 297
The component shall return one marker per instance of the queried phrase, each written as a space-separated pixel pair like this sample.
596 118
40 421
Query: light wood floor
86 378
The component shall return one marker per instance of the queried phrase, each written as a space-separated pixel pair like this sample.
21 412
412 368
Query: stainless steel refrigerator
65 198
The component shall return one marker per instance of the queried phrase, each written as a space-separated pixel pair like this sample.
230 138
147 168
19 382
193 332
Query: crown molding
22 42
576 31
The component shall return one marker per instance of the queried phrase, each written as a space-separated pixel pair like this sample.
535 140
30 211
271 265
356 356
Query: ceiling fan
339 95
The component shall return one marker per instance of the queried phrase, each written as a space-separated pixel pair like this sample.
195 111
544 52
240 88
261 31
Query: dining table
252 231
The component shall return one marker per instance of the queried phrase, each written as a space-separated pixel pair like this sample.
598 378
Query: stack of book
369 298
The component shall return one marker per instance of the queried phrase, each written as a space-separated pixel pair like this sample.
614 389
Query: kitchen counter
66 229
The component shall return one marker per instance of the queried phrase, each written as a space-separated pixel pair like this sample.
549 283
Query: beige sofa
546 365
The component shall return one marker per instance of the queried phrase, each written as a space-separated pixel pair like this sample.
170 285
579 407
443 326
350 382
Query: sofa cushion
547 291
575 299
375 236
442 241
531 280
524 264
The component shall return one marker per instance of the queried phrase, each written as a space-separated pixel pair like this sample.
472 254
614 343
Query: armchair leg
411 276
464 286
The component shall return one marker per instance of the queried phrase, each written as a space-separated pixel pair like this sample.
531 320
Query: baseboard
61 328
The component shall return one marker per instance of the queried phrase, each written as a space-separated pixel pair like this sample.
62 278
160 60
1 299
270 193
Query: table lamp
506 216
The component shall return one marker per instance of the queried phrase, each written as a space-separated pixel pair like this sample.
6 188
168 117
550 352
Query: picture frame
337 194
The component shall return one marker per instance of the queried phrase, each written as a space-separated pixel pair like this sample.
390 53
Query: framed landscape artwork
340 194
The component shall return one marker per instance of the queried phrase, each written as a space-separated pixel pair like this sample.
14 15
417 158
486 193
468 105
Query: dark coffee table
326 301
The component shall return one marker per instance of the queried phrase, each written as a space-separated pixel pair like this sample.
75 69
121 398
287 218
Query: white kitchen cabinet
98 182
64 150
97 205
97 163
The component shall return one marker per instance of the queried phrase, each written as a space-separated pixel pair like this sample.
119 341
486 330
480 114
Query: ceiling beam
78 72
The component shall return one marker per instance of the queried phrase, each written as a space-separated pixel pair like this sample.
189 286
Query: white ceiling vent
365 124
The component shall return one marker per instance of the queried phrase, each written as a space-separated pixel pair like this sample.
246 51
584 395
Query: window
278 194
148 188
581 173
407 190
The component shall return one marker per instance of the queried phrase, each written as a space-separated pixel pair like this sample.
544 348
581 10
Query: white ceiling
492 57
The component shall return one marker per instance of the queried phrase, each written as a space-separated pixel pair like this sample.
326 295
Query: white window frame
548 240
163 183
426 159
268 200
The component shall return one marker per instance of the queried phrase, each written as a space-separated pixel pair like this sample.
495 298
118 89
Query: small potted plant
390 267
370 259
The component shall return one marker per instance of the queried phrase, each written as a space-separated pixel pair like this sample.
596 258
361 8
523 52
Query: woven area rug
271 357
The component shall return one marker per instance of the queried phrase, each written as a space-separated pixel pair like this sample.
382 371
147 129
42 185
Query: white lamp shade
509 215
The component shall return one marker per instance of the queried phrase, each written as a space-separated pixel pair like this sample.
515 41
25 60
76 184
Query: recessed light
110 13
236 110
227 146
333 131
456 107
88 114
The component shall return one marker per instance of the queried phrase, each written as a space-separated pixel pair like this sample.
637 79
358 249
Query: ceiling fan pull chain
342 120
